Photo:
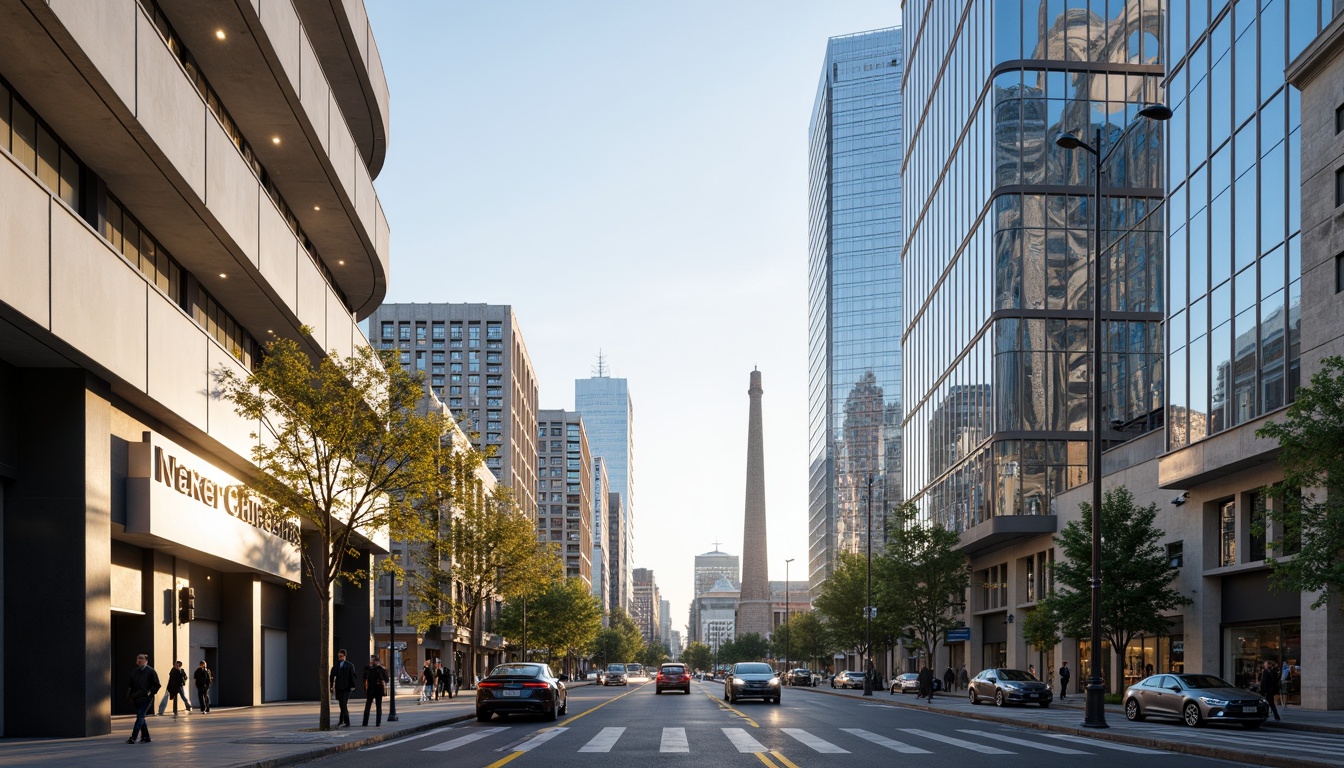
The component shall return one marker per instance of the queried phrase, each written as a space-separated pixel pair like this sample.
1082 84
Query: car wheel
1251 725
482 716
1132 711
1190 715
777 704
657 690
974 699
725 696
564 706
688 690
554 714
998 699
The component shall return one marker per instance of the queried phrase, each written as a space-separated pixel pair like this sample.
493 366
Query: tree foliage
653 655
748 647
1136 576
1309 514
620 642
697 655
810 639
563 618
341 445
926 576
842 598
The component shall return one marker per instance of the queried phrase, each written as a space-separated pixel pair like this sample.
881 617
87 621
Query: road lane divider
734 710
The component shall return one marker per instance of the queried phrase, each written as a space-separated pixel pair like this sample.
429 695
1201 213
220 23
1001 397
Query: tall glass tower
854 296
609 416
998 250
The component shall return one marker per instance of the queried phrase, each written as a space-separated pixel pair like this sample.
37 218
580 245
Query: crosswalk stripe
1023 742
464 740
818 744
1106 744
604 740
883 741
981 748
399 742
742 741
674 740
539 739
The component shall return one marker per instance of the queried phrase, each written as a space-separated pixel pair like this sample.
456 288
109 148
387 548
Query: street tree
1136 575
620 642
843 597
809 639
748 647
1307 555
698 656
926 576
564 619
1040 630
342 446
653 656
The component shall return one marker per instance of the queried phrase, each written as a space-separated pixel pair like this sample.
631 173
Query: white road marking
1106 744
674 740
883 741
604 740
742 741
981 748
818 744
539 739
403 741
1024 742
463 740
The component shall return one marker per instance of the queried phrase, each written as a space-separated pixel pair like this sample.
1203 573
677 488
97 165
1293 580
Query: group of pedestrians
437 682
433 678
143 685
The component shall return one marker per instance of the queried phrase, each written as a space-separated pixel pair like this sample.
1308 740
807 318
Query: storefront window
1249 647
995 655
1084 666
1227 528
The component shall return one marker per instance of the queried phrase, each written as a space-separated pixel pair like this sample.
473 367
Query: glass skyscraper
854 295
998 250
609 418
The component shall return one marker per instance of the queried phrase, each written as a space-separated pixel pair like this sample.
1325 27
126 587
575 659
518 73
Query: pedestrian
426 682
177 688
1063 680
342 683
1147 670
1031 670
140 689
1269 686
375 687
203 678
448 676
438 679
926 683
963 679
1286 680
949 678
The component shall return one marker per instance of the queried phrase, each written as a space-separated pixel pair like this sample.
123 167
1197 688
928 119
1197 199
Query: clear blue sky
631 176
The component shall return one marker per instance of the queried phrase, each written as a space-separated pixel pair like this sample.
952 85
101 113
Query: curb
1198 750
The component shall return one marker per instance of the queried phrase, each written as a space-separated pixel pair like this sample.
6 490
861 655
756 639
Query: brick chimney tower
753 607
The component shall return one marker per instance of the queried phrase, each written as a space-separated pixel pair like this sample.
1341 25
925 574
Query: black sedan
521 689
1195 700
801 676
751 680
1009 686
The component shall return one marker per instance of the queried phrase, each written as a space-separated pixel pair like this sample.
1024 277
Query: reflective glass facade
609 420
998 252
854 294
1234 286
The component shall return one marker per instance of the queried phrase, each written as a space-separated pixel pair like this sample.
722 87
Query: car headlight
774 681
1212 702
739 681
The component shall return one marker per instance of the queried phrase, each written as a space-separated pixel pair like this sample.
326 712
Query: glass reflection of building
998 248
854 294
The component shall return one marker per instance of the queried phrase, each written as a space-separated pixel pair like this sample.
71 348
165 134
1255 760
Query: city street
618 726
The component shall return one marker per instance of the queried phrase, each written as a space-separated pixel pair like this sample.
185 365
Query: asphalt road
620 726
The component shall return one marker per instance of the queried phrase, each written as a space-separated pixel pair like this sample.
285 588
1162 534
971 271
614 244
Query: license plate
1031 695
511 693
1249 710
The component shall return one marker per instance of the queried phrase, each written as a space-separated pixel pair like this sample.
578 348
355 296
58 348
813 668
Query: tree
564 618
654 655
342 446
927 576
841 601
1308 555
748 647
809 639
698 655
1040 630
1136 575
620 642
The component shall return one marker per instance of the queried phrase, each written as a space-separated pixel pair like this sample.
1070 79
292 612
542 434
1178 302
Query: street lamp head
1156 112
1069 141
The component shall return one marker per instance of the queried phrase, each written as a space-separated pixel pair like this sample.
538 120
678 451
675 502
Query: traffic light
186 605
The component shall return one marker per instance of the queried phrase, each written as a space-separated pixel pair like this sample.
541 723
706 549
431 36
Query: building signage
960 634
178 497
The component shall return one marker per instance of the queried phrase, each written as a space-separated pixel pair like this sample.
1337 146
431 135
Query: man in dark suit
203 679
375 687
143 684
342 683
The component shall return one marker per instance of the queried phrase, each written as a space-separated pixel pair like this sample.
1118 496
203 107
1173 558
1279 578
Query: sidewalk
1121 730
265 736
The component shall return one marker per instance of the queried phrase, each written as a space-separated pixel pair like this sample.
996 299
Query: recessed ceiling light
219 33
317 207
223 274
341 262
275 139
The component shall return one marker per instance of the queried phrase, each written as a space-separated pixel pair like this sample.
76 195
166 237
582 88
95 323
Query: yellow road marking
788 763
764 759
512 756
735 711
515 755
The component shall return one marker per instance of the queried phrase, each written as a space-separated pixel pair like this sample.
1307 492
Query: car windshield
1203 681
673 670
753 669
1015 674
909 676
615 667
516 670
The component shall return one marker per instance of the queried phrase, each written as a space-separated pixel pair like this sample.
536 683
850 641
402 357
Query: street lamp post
392 647
868 604
787 640
1094 712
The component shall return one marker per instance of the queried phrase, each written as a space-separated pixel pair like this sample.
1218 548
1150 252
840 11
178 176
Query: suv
615 675
674 676
800 676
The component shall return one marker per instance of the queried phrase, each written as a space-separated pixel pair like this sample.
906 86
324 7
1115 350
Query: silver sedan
1195 700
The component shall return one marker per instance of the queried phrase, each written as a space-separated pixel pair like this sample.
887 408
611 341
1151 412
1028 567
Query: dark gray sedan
1009 686
751 680
521 689
1195 700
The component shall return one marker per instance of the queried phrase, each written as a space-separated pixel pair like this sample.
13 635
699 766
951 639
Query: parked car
909 683
847 679
636 672
1195 699
1009 686
801 676
751 680
521 688
674 676
616 675
600 677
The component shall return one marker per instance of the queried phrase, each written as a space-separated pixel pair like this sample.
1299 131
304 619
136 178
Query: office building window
1339 119
439 331
494 331
29 141
1176 553
420 331
1227 533
404 331
1339 187
1339 273
387 330
455 331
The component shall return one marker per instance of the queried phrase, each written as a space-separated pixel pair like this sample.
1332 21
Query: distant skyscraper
564 488
601 565
618 567
609 416
474 360
647 604
709 568
854 295
753 608
665 623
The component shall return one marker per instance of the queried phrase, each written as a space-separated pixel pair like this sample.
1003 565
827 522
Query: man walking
1063 680
963 679
1269 687
342 683
143 684
203 678
949 678
926 683
177 687
375 687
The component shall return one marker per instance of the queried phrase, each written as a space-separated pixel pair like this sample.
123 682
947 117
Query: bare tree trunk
323 666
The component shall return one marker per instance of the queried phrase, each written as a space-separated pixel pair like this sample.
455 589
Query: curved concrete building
180 181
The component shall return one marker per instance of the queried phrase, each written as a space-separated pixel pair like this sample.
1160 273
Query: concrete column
305 636
1322 641
1018 657
239 641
